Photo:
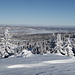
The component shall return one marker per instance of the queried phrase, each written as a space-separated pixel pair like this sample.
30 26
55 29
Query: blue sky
37 12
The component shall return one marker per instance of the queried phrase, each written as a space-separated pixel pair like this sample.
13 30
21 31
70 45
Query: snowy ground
38 65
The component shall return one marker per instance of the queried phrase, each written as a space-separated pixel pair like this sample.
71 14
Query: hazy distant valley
22 32
37 30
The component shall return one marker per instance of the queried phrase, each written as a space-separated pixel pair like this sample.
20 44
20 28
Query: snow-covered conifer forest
37 51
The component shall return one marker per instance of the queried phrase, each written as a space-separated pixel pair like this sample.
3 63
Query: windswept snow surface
48 64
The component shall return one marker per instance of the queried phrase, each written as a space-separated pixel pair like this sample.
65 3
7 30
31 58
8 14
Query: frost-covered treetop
58 37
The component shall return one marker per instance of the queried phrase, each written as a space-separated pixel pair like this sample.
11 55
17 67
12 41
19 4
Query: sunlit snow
48 64
45 63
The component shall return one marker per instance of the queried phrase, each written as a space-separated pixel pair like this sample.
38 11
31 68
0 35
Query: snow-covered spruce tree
44 47
41 48
53 43
6 48
7 39
67 47
59 43
35 48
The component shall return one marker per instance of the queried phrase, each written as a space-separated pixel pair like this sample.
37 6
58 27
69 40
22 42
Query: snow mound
26 53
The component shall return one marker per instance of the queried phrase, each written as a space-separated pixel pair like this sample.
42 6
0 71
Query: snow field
48 64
